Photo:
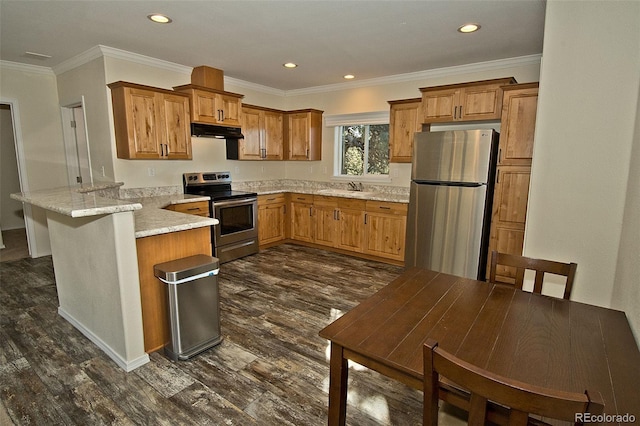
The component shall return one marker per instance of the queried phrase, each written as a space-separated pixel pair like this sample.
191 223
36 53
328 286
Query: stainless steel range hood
213 131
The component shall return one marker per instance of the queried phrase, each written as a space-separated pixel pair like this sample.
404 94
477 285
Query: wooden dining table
536 339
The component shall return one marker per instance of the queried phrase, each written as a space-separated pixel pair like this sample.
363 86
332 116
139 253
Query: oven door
238 220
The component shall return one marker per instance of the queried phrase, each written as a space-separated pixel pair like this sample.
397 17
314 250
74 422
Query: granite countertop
152 219
370 192
149 214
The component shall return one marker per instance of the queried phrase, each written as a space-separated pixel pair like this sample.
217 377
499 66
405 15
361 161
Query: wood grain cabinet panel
301 217
263 131
150 123
481 100
152 251
511 196
303 135
272 218
386 225
198 208
211 106
405 119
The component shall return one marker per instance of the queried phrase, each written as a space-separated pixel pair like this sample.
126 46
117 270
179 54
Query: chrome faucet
355 186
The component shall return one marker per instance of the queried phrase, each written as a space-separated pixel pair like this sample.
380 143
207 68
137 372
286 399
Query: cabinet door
252 129
440 105
404 121
299 136
197 208
271 218
325 219
273 135
205 109
518 126
351 229
144 123
229 109
386 225
301 213
480 103
177 138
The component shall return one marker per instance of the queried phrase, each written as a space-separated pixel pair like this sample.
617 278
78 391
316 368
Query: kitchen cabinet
481 100
211 106
339 222
158 249
515 153
150 123
385 228
301 217
405 119
272 218
198 208
263 131
303 135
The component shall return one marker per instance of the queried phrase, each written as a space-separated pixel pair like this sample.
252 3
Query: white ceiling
250 40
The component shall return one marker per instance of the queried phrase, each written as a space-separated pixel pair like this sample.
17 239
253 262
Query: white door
76 145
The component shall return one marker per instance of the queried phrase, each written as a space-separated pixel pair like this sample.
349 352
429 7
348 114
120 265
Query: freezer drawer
445 229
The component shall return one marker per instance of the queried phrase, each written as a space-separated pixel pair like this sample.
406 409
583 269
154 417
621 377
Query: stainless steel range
237 234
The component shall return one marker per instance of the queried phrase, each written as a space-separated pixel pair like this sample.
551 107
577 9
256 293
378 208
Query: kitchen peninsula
95 244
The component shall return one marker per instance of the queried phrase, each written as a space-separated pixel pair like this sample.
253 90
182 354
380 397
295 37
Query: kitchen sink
345 193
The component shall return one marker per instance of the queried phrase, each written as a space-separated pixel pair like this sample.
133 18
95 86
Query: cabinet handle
263 153
307 152
161 150
193 209
310 211
365 218
270 199
385 208
166 148
455 112
498 176
460 111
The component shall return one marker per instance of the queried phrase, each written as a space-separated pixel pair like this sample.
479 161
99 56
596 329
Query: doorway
76 144
13 219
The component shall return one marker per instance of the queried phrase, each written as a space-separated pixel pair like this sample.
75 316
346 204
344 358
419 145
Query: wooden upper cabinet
150 123
405 119
481 100
303 135
263 132
519 108
210 106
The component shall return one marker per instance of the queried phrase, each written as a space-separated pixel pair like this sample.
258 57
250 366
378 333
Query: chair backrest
519 398
521 264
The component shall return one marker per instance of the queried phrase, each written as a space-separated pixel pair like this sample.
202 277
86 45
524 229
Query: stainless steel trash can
193 301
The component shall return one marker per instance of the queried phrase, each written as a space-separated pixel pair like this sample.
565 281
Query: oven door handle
236 202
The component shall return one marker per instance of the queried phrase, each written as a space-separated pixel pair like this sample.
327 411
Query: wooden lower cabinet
301 217
272 212
152 251
386 225
374 229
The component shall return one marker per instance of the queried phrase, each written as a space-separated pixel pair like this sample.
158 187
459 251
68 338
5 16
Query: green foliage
354 149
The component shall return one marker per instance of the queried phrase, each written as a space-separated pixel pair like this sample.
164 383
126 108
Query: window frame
338 121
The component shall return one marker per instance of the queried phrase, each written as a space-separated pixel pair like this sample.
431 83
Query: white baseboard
126 365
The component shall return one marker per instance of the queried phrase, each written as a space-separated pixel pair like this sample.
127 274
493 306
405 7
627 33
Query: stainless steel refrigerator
450 201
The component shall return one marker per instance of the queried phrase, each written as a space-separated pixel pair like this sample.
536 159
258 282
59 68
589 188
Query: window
364 150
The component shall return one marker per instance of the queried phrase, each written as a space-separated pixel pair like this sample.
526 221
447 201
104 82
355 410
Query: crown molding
111 52
254 86
376 117
422 75
34 69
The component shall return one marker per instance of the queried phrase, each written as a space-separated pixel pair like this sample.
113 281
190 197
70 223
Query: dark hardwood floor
271 369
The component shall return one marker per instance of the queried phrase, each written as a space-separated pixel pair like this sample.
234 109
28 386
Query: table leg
338 375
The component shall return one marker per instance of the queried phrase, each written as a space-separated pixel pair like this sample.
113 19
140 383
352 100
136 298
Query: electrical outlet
103 174
151 171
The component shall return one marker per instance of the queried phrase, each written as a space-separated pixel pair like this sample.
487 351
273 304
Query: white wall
11 215
87 81
35 93
587 116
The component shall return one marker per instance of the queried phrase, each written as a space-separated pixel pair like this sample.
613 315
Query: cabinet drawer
271 199
198 208
301 198
387 207
352 204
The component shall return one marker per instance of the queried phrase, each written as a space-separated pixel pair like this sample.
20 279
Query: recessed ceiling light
290 65
469 28
349 77
159 18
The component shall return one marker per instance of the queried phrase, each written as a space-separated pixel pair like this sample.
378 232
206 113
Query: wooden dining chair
540 266
520 399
